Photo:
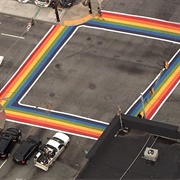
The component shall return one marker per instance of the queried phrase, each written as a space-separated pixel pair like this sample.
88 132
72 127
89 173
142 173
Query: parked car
43 3
66 3
8 139
26 149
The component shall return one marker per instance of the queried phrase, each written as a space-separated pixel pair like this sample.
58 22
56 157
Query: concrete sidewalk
77 14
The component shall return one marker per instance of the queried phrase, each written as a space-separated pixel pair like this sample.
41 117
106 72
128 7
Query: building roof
122 156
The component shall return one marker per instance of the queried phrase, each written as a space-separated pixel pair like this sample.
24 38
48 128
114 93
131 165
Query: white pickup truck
49 152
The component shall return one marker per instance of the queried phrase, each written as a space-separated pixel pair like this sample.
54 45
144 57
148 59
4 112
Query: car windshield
58 140
51 147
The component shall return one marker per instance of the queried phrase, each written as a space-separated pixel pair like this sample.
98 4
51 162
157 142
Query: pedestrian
100 13
30 24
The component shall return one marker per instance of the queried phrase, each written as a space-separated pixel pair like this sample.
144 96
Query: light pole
120 118
56 11
122 128
4 99
3 114
90 7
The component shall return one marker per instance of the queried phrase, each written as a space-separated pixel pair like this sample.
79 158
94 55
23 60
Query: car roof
65 138
28 143
12 130
8 133
23 149
33 138
4 143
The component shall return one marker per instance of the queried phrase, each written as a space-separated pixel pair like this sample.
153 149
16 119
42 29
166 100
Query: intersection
53 42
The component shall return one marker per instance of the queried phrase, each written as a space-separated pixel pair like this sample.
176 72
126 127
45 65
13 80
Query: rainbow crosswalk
37 62
163 86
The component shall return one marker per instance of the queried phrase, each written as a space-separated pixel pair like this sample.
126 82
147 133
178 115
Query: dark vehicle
26 149
66 3
8 139
53 3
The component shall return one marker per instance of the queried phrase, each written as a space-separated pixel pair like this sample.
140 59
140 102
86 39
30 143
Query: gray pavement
77 14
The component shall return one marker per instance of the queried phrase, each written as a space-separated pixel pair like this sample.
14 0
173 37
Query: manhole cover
51 94
92 86
57 66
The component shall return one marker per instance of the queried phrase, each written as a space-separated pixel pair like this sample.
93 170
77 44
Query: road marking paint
10 35
3 164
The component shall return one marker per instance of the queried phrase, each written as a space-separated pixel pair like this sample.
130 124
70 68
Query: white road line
3 164
10 35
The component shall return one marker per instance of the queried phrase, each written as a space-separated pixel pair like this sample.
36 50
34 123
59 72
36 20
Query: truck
49 152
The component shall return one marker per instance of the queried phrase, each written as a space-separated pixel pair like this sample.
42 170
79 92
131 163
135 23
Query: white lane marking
10 35
3 164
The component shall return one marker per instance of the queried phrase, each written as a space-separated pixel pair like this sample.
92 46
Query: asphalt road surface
17 44
161 9
93 73
98 70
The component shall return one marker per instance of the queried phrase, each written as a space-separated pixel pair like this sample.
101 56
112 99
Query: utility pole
122 129
142 100
120 118
56 10
3 114
90 7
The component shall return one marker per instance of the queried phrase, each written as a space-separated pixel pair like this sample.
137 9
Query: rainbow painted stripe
137 25
37 62
163 86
